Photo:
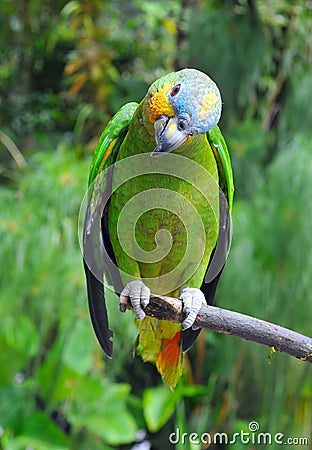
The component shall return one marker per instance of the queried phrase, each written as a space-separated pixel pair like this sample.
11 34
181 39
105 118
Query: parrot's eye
175 90
183 124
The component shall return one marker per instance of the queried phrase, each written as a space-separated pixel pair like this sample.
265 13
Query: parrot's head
181 105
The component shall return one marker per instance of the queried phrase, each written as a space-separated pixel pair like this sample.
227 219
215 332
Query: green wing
95 224
222 156
220 253
111 139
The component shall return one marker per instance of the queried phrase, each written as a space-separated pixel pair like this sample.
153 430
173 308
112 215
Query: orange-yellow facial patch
158 104
208 102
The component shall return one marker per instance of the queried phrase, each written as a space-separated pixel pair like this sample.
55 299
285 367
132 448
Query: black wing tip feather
98 312
189 336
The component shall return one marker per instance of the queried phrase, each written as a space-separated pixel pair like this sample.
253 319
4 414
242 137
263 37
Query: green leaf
57 381
11 361
15 401
78 352
189 390
159 402
158 405
20 333
104 412
72 7
39 432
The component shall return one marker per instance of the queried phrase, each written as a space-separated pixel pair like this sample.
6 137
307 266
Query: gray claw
139 296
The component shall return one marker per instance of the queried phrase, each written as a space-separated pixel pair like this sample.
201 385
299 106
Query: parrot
158 214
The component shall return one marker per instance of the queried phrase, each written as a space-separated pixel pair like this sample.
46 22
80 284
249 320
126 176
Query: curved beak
170 133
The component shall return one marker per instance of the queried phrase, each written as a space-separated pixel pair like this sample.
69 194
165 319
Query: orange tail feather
170 359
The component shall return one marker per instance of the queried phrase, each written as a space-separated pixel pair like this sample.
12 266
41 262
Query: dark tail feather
189 336
98 312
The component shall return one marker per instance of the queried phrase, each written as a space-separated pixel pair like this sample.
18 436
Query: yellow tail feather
160 341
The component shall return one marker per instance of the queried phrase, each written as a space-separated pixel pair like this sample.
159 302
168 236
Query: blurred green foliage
66 67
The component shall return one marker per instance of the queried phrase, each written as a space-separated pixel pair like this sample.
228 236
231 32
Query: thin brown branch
229 322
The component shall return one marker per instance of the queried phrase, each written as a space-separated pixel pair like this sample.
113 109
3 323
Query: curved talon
139 296
192 299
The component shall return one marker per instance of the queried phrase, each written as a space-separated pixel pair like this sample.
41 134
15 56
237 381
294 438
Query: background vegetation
66 67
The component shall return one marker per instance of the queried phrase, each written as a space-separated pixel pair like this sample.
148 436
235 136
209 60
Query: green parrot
158 213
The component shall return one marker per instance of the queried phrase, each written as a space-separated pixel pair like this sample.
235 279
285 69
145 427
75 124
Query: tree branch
229 322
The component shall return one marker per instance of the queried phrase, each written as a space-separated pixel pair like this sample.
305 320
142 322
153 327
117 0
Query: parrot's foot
193 299
139 296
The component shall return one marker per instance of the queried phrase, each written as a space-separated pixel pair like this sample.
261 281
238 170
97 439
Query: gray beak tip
157 152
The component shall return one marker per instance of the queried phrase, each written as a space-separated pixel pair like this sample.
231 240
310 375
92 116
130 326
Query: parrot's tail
160 341
169 362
